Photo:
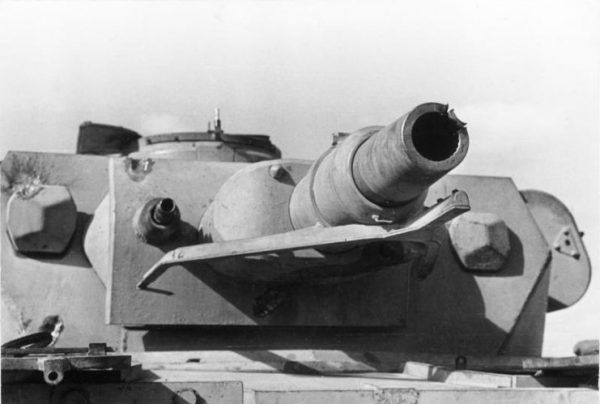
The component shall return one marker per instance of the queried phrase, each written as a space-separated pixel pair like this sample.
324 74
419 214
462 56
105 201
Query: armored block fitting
480 240
43 221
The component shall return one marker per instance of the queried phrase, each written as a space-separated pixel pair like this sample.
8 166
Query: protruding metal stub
338 137
586 347
277 171
217 122
158 221
460 363
54 369
165 212
97 348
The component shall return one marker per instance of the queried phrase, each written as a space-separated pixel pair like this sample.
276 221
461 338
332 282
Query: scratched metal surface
450 311
190 387
481 310
192 185
183 392
201 296
36 286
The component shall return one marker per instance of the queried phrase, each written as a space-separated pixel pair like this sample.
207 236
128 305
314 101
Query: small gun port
436 135
158 221
165 211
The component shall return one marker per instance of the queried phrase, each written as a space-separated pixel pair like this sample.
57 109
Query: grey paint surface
34 288
526 85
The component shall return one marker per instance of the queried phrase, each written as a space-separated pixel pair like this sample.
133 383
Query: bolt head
276 171
481 241
42 222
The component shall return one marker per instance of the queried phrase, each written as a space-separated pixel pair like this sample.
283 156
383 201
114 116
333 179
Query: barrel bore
398 163
435 136
165 211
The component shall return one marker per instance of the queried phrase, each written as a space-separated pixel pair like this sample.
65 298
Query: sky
524 75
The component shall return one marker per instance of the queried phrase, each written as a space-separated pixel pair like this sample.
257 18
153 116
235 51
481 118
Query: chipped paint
24 177
138 169
396 396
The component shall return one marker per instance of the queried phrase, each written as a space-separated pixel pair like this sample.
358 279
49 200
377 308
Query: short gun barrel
381 174
399 162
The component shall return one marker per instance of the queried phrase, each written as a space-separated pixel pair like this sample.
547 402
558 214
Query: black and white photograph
299 201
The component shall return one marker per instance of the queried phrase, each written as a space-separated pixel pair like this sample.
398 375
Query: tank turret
196 239
370 258
372 177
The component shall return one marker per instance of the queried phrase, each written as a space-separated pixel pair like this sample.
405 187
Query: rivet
276 171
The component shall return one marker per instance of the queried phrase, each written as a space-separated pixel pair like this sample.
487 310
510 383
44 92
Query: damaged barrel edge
380 175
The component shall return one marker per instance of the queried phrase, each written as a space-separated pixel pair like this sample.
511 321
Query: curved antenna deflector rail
313 237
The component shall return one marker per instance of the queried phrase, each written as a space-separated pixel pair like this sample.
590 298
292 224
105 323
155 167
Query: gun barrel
381 174
402 160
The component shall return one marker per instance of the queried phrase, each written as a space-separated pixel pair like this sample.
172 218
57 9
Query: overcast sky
523 74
